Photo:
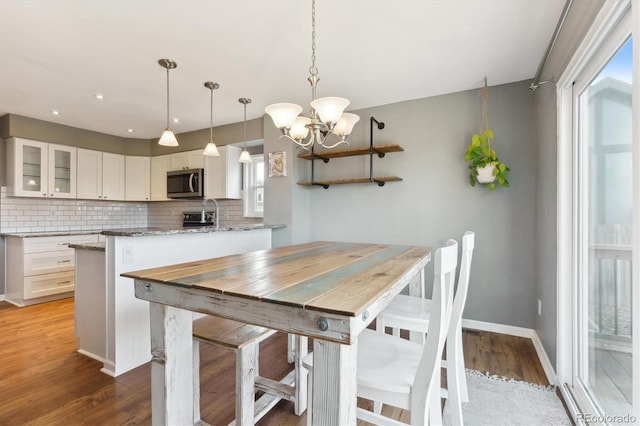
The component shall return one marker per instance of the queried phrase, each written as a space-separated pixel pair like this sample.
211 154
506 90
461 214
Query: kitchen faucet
202 217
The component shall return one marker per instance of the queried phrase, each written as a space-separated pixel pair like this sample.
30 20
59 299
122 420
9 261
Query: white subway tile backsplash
21 214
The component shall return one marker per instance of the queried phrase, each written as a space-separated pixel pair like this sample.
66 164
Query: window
254 187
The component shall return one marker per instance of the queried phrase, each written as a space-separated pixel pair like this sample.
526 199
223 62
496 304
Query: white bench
244 340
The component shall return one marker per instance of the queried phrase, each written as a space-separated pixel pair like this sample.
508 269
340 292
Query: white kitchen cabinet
41 269
62 171
137 178
113 176
89 174
223 174
160 165
101 175
40 169
187 160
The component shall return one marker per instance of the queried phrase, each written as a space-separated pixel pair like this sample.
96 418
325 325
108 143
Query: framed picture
277 164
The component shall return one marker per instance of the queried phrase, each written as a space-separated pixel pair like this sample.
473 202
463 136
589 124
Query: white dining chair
413 313
401 373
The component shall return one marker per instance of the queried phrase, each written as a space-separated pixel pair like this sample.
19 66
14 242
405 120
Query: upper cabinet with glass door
62 171
39 169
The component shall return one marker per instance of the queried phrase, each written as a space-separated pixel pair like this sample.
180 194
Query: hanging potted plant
485 166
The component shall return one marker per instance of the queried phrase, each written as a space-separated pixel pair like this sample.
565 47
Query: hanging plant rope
485 167
484 120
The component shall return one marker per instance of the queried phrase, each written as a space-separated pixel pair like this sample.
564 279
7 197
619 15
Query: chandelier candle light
211 149
244 155
168 138
327 115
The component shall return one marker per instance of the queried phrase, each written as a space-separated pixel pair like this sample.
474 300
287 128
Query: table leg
334 383
301 350
171 365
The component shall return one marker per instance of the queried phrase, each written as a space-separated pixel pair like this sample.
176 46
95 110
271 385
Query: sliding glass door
605 219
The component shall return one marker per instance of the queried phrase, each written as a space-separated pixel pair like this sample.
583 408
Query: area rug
496 401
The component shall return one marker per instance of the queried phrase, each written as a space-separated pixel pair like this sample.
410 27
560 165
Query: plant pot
485 174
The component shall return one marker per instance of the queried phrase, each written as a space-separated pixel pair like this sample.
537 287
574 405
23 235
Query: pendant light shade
283 114
345 125
168 138
245 157
211 150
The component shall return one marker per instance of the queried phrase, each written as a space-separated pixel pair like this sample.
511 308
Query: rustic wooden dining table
329 291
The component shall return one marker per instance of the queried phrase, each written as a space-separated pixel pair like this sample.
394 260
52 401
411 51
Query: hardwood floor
44 381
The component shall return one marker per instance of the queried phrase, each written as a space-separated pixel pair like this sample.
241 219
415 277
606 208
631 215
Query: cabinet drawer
45 285
49 262
44 244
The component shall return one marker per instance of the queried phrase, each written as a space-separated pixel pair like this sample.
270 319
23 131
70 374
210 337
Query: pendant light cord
245 126
211 119
168 98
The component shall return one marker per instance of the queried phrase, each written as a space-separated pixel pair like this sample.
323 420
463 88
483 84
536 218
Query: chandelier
327 116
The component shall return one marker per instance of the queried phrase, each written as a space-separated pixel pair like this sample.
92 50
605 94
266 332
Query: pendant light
244 156
211 150
327 115
168 138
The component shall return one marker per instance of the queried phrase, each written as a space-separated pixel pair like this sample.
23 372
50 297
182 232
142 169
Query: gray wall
578 21
434 202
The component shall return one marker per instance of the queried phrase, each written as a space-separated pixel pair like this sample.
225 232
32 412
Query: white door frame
585 60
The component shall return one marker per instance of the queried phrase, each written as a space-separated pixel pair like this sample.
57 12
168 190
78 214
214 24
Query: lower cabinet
41 269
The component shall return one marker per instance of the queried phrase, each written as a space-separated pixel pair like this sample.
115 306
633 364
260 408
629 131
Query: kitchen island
112 326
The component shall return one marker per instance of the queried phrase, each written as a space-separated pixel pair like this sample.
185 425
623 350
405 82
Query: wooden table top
333 277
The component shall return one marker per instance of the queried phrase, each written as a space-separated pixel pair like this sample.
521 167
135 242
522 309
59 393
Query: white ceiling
57 54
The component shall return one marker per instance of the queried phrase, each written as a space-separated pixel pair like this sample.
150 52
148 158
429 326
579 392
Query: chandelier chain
313 70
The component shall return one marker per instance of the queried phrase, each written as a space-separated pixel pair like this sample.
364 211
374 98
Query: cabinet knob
44 194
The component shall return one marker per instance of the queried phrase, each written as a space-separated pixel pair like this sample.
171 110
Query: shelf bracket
380 126
313 179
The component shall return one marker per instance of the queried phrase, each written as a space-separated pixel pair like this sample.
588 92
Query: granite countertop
142 232
88 246
49 234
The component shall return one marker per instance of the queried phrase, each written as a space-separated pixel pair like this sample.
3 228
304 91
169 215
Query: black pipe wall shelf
371 150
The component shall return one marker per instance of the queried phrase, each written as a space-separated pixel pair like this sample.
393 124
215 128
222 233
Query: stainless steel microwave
185 183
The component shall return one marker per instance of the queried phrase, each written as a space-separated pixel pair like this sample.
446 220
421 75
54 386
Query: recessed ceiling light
99 96
130 130
55 112
176 120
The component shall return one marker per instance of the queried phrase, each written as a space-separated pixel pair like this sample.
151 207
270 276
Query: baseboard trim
511 330
544 359
1 297
498 328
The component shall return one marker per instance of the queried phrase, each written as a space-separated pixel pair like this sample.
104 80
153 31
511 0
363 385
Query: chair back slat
427 381
459 301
